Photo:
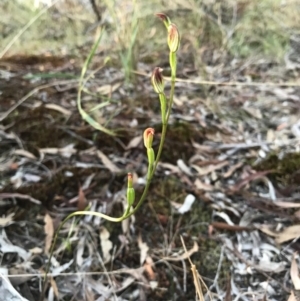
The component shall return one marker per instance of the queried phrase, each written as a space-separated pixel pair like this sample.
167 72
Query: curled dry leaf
225 217
58 108
184 168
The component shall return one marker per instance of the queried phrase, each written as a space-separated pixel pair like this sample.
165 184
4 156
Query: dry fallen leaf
187 204
287 234
202 171
287 204
81 204
6 221
295 273
24 153
292 297
108 89
106 244
143 248
107 162
7 291
148 268
134 142
232 169
58 108
54 287
184 168
256 113
203 186
266 229
66 151
49 231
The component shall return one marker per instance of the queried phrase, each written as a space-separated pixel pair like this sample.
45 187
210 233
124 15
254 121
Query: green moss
285 169
178 141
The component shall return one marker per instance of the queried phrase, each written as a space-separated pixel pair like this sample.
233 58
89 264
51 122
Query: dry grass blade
198 281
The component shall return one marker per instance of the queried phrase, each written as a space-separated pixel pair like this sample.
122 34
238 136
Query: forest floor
227 182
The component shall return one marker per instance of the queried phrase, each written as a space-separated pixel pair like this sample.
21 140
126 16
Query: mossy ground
285 168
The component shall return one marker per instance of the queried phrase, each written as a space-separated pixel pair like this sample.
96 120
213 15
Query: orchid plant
157 81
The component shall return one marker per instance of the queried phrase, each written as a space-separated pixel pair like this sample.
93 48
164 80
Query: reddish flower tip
164 18
148 137
129 179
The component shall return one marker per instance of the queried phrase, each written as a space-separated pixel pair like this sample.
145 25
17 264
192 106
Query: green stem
173 64
163 135
162 98
151 171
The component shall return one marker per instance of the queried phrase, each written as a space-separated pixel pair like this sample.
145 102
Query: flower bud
173 37
130 191
164 18
157 80
148 137
151 156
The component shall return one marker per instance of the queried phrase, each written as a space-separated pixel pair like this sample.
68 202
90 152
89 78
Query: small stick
196 276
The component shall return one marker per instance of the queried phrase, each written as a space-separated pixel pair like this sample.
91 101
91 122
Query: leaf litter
228 165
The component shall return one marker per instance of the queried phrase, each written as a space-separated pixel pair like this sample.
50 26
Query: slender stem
162 99
173 79
163 137
151 171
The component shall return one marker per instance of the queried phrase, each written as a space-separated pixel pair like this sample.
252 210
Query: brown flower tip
164 18
129 179
157 80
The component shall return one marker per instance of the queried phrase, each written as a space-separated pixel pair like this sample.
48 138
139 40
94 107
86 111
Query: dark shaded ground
36 162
